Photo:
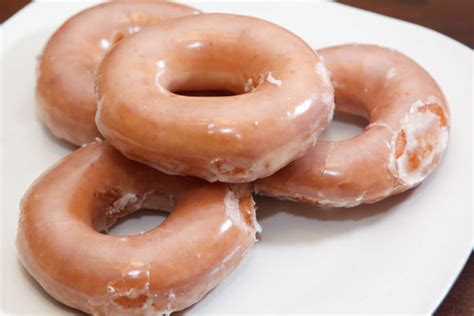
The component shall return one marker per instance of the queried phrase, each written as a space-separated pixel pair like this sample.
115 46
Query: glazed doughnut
404 141
65 86
209 230
284 97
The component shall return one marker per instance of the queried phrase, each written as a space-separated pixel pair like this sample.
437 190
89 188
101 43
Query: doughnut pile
191 113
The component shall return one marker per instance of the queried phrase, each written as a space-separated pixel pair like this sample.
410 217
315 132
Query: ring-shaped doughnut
237 138
403 143
210 228
65 87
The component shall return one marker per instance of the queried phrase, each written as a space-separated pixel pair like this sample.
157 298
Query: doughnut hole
344 126
138 222
352 112
205 93
210 68
122 214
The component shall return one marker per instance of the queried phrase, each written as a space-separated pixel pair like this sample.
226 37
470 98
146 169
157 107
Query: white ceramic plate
400 255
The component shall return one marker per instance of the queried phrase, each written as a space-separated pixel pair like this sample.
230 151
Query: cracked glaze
283 97
403 143
65 87
209 230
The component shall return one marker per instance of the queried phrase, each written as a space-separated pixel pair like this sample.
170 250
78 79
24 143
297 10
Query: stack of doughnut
188 112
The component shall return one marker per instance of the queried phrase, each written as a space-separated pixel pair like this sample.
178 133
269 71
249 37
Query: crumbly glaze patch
241 212
419 143
272 80
250 86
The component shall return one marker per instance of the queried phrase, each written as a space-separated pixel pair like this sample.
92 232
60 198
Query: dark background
454 18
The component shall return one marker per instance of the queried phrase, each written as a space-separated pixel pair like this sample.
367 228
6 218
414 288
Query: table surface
455 20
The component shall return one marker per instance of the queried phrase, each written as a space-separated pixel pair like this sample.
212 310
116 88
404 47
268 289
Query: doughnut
209 230
65 87
282 97
404 141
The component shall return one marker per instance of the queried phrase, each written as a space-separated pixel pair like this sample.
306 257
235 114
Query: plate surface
400 255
